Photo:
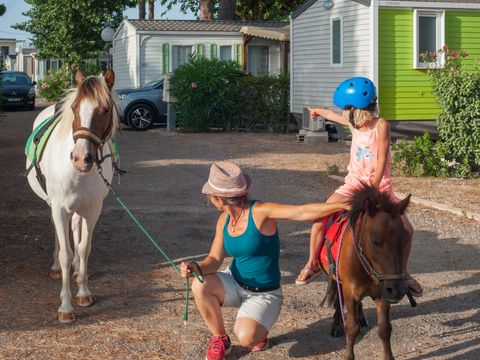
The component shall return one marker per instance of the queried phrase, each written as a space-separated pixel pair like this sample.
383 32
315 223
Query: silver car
142 107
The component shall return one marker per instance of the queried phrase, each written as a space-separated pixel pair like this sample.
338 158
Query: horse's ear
110 78
402 205
370 206
79 76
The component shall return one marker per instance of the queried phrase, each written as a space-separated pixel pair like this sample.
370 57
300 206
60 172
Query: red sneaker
220 346
262 345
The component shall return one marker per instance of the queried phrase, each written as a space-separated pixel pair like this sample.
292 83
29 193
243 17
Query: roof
201 25
309 3
280 34
7 39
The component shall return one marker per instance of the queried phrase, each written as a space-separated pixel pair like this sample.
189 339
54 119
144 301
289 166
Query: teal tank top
255 256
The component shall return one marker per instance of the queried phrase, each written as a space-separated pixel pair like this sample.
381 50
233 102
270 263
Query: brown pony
370 264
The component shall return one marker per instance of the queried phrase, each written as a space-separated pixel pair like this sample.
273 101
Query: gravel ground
139 300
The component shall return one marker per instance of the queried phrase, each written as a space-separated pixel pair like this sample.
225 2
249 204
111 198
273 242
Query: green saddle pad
39 137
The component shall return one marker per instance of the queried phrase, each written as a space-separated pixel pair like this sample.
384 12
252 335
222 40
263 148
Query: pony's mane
94 88
369 199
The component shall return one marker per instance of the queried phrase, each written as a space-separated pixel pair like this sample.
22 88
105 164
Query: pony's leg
55 270
84 297
337 326
352 328
384 327
362 320
76 233
62 227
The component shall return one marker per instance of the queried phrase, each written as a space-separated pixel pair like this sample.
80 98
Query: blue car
17 90
142 107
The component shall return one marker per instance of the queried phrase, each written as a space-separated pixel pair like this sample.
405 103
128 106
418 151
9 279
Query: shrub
54 85
207 91
264 101
458 93
422 157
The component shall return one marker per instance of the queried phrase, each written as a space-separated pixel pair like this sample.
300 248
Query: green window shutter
238 53
200 50
165 58
213 51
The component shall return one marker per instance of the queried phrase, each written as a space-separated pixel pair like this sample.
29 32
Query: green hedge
215 93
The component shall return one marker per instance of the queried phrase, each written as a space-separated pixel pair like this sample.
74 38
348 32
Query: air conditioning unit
310 123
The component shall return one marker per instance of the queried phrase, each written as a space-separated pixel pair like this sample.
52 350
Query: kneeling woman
245 230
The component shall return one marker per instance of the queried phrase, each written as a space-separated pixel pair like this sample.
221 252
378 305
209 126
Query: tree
273 10
70 30
2 9
151 9
141 10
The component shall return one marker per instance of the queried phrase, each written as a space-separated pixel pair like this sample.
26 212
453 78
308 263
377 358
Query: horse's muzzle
392 291
82 163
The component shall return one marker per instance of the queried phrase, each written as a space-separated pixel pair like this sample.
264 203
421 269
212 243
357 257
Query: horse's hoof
65 318
337 332
75 277
84 301
55 274
363 323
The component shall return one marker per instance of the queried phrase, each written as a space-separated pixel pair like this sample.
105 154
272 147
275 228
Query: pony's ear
110 78
402 205
370 206
79 76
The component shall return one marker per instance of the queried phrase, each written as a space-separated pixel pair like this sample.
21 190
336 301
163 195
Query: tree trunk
206 9
227 10
141 10
151 9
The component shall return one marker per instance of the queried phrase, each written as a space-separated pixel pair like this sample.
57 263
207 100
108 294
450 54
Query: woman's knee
245 336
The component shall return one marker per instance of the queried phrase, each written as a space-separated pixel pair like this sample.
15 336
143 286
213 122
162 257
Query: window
180 55
336 41
258 60
428 35
4 52
225 53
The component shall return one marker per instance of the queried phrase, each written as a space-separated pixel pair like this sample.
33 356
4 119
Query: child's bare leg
412 283
316 241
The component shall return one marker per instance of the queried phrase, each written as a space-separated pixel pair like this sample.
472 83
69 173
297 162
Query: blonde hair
359 117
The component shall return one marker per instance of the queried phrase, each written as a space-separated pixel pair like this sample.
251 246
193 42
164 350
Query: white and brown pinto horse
74 189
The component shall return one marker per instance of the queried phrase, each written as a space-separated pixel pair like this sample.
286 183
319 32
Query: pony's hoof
65 318
75 277
337 332
55 274
84 301
363 323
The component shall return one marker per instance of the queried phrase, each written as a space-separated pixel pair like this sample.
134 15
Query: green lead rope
200 276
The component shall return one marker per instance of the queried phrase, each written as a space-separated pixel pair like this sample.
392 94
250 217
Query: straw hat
226 180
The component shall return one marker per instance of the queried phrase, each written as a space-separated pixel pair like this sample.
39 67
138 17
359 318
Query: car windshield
14 79
152 83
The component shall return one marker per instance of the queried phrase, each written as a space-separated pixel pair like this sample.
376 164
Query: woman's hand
187 270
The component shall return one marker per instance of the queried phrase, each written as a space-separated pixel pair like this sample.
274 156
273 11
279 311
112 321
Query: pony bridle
367 266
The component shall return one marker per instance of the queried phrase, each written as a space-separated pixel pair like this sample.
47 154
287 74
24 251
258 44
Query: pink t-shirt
363 162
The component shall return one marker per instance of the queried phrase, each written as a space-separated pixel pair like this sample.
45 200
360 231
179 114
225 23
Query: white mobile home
145 50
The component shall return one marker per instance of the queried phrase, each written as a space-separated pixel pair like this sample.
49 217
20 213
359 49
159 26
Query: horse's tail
331 295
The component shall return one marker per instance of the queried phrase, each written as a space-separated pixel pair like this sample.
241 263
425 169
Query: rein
367 266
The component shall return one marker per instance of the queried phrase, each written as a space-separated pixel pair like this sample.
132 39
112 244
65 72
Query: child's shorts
263 307
351 185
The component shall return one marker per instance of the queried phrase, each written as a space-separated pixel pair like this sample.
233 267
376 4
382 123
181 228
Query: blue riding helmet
358 92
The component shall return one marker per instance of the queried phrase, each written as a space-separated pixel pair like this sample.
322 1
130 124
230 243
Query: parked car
142 107
17 90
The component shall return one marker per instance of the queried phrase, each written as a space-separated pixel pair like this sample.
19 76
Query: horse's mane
94 88
369 199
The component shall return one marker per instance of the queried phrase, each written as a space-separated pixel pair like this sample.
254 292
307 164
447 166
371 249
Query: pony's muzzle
393 290
82 162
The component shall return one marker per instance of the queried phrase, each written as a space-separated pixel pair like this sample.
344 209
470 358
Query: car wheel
140 117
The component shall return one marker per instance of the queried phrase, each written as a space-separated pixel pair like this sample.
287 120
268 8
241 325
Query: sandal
309 274
413 286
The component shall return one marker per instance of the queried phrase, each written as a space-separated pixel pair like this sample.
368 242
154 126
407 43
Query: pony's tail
331 295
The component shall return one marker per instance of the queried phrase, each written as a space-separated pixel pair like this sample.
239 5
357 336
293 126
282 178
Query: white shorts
263 307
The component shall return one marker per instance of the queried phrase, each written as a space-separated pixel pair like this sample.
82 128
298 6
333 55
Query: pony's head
381 237
94 114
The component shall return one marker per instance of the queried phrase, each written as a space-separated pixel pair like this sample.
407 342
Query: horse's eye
376 242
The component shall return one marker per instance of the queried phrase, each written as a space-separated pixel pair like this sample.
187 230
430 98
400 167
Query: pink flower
465 54
194 85
445 47
421 57
454 54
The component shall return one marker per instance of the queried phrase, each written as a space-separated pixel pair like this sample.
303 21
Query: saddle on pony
334 226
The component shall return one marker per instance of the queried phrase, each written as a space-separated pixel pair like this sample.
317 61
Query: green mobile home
381 40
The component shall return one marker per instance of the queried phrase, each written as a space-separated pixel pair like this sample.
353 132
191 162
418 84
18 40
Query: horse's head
381 237
94 116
